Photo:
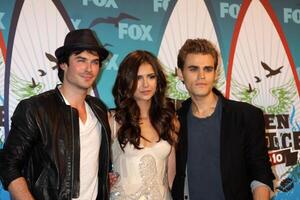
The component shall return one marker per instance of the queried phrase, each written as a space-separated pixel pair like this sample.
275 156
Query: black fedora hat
81 39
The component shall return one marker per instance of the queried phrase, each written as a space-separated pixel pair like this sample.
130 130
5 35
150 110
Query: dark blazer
243 155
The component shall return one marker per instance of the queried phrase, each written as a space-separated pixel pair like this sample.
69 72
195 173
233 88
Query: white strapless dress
143 173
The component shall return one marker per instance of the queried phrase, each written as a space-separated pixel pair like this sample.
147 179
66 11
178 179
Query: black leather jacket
44 147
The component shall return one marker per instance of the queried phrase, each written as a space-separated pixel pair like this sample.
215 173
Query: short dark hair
65 59
195 46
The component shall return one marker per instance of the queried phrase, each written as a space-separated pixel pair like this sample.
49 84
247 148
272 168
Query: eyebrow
80 57
208 66
195 66
84 58
192 66
147 74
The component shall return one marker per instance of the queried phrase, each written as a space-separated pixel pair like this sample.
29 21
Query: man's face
198 74
146 83
82 70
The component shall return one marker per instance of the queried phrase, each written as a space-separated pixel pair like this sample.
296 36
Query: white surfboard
262 72
189 20
2 72
40 29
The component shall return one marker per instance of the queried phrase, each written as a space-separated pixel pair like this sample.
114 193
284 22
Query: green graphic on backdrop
175 88
24 88
284 95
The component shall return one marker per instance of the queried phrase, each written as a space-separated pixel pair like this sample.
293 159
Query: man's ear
63 66
179 73
217 74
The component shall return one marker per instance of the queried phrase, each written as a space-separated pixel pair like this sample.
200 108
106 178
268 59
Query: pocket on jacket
46 186
48 179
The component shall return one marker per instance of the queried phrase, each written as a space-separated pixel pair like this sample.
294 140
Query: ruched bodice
143 172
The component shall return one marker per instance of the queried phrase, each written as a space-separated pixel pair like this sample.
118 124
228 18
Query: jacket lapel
225 142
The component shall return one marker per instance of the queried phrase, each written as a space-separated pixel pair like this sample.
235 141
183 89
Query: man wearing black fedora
58 145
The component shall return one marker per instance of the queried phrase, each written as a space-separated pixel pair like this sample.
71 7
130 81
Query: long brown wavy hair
162 111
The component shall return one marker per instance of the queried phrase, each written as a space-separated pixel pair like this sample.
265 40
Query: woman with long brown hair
144 128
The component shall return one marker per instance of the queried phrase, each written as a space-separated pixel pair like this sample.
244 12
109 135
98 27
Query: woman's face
146 83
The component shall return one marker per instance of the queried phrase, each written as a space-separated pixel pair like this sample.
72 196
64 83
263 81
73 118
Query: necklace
204 113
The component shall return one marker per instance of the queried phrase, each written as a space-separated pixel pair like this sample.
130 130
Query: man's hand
261 193
19 190
113 178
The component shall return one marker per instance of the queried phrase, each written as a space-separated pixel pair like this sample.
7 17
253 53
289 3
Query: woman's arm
172 156
171 166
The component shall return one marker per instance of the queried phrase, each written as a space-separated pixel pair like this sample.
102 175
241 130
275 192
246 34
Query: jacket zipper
106 137
72 163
